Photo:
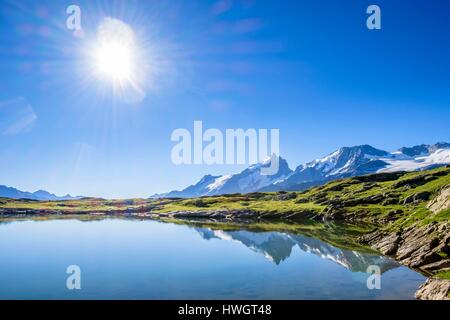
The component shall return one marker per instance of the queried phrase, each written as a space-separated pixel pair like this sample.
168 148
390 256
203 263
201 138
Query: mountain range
41 195
342 163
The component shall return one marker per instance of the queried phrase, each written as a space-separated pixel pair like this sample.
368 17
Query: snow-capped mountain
361 160
342 163
345 162
249 180
42 195
278 246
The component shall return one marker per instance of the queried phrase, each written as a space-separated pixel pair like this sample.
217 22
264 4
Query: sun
115 50
120 62
115 61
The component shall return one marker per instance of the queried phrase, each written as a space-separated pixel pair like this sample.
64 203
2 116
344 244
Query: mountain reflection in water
278 246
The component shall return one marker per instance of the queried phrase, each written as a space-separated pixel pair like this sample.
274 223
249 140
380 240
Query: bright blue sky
310 68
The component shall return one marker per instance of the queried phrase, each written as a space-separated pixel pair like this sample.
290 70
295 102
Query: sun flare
120 62
114 55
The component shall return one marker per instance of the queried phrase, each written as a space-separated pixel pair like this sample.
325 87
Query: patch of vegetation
444 274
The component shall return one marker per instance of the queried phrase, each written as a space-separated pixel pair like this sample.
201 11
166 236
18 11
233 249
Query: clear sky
310 68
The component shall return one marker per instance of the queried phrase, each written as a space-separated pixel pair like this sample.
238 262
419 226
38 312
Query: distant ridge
41 195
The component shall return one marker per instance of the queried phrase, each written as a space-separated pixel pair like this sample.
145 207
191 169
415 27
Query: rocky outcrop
434 289
416 247
425 248
441 202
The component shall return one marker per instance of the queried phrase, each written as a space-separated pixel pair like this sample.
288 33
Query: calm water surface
132 259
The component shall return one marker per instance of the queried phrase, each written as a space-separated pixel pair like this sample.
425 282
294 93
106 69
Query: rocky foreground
423 248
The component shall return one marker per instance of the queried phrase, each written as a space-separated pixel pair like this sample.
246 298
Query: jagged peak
208 178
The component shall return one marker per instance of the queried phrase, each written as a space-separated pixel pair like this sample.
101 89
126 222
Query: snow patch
218 183
439 157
